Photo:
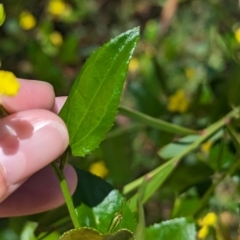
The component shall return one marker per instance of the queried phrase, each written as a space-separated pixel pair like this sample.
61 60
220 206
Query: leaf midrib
94 97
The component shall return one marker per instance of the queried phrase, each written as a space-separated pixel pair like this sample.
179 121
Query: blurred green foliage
185 71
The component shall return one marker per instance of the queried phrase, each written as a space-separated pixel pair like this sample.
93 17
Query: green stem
207 133
154 122
66 194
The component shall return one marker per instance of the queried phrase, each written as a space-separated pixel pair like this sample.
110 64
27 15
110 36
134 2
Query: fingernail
29 141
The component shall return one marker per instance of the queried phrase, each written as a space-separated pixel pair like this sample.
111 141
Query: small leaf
220 157
196 172
91 189
92 234
101 216
91 107
81 234
122 234
173 149
177 229
185 206
153 184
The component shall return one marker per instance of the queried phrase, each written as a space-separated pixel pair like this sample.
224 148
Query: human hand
31 137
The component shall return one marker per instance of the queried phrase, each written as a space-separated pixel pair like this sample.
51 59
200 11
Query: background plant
184 71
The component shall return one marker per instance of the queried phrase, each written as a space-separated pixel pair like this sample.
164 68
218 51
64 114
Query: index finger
32 94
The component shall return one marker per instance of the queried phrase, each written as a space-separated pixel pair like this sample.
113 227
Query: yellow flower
2 14
190 73
205 147
178 102
203 232
27 21
237 35
99 168
56 38
210 219
9 84
207 221
56 7
133 65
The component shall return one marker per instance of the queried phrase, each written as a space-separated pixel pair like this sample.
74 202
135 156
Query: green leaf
196 172
28 231
92 234
220 157
177 229
173 149
91 107
103 215
185 206
91 189
152 184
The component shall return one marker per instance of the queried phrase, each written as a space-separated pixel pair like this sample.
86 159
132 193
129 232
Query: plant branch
154 122
66 194
206 134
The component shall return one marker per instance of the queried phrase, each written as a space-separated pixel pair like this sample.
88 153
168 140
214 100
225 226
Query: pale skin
32 137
